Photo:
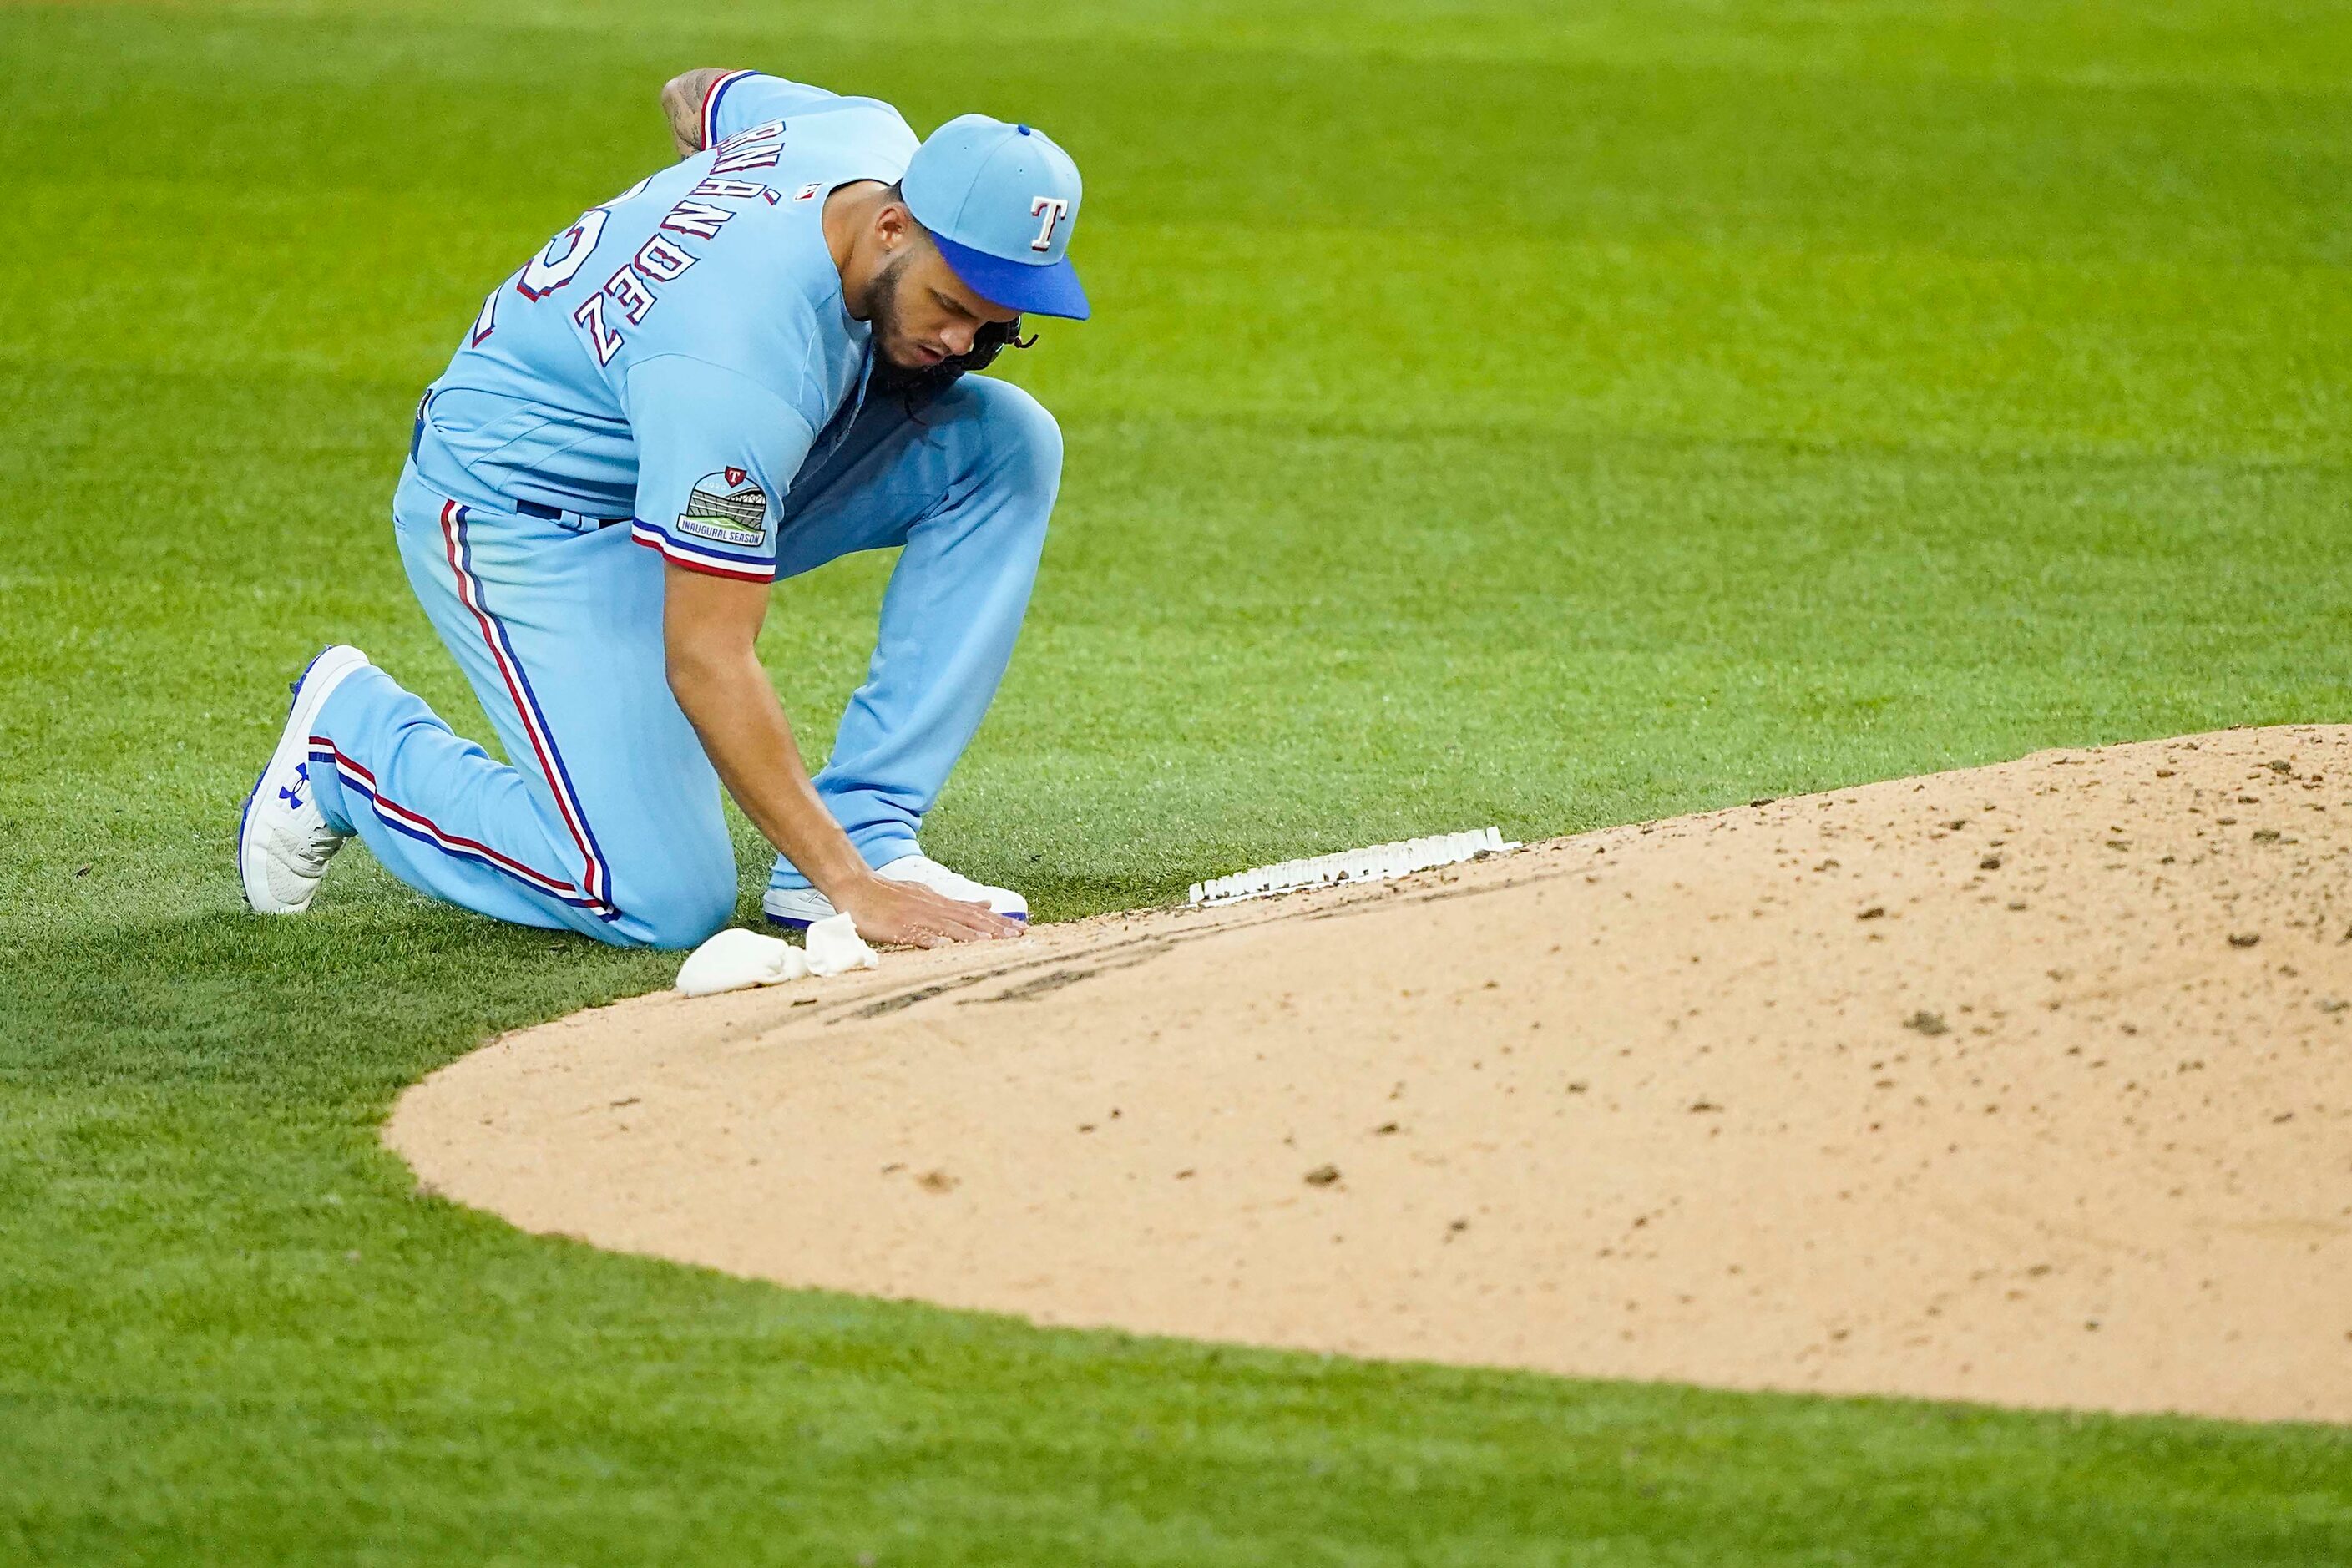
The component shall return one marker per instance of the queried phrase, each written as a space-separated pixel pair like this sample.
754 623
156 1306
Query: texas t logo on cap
1001 201
1055 209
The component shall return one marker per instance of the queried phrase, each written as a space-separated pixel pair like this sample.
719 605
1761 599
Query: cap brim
1049 290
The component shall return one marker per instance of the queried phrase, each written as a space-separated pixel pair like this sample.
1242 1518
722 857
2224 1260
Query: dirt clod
1926 1023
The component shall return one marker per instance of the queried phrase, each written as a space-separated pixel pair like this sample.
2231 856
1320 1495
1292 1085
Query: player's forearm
728 698
681 101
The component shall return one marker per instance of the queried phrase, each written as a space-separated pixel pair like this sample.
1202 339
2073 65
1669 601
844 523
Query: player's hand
901 914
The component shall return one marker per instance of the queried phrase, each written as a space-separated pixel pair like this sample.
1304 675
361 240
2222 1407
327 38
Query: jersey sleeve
743 99
716 452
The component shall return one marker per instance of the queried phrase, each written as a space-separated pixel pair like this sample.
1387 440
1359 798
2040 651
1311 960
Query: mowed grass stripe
1671 149
1530 631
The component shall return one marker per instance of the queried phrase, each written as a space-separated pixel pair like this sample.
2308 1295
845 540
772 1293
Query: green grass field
1543 416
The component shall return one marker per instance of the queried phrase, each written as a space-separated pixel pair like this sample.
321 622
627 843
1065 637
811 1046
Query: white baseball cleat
801 907
283 841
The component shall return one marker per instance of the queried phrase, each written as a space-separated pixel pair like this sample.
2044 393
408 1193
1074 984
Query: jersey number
556 265
565 254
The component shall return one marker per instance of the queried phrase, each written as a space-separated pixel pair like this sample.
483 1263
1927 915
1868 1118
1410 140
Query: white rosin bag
737 959
836 948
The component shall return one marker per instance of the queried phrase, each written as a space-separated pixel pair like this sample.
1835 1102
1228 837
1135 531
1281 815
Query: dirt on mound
2030 1084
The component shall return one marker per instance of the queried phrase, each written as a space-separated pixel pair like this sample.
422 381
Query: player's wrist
844 879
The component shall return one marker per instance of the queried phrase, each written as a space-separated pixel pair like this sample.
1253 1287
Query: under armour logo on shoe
292 794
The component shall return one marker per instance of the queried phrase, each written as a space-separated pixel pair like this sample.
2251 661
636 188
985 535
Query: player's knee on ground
1015 441
682 912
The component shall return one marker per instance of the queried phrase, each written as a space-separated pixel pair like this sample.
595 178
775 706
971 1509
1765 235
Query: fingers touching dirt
901 914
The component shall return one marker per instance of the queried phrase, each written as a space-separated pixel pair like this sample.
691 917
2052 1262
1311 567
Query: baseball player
736 370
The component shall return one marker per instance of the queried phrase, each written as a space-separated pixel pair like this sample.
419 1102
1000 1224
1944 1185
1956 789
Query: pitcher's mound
2028 1084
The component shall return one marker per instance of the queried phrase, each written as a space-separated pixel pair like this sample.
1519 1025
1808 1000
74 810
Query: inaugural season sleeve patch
727 508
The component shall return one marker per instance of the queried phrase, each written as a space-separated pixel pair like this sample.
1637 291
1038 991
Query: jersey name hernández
681 353
629 293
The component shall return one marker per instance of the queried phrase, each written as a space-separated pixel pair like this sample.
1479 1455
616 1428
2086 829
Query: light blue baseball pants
607 821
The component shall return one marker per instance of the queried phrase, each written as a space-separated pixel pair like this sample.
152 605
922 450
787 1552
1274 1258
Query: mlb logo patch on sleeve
727 508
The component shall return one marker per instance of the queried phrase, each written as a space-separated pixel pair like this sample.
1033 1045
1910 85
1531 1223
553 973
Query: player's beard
913 385
880 304
917 385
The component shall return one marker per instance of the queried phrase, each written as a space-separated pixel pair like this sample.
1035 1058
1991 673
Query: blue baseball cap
1001 201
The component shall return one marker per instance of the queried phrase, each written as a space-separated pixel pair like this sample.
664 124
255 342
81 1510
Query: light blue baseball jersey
681 352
